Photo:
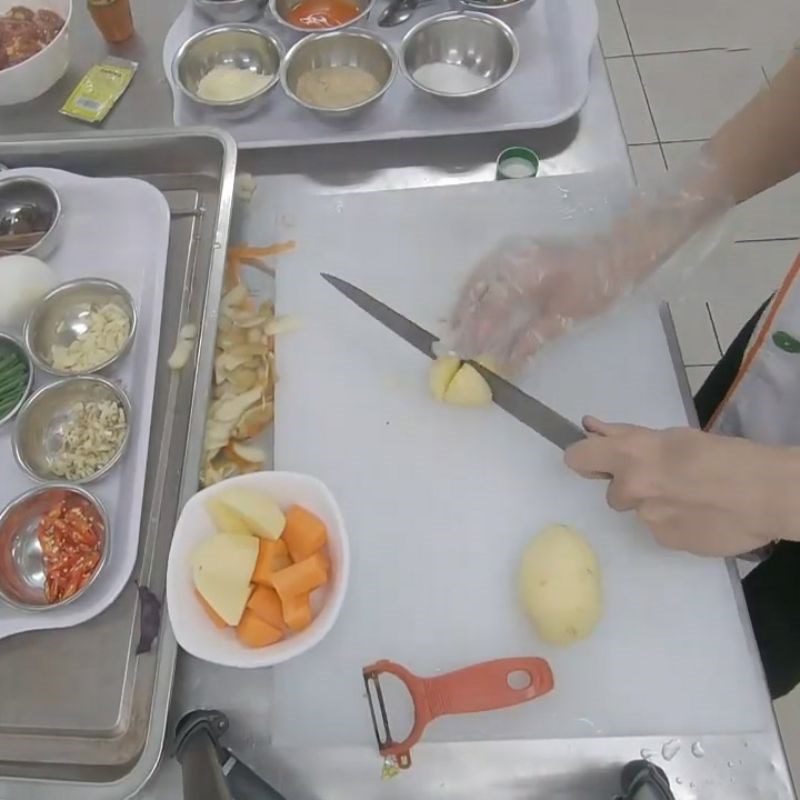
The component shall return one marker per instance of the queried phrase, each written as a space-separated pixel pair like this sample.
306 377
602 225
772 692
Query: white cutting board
440 501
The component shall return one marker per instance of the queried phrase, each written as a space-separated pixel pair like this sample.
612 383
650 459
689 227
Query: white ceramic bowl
35 76
194 630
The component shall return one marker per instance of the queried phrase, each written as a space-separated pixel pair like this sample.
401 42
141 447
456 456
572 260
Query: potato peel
242 406
180 355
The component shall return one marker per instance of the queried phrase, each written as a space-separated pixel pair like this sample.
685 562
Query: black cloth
772 589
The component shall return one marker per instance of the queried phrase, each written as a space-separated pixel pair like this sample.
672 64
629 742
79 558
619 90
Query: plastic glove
528 290
711 495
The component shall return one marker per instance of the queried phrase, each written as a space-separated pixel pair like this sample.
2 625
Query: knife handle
598 476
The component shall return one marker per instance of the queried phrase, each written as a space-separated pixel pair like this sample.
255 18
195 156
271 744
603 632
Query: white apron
762 403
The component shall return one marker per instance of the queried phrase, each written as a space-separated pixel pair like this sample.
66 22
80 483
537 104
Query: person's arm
708 494
696 491
754 150
530 290
711 495
760 145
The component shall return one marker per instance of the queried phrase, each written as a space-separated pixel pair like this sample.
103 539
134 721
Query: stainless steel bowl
281 8
30 216
61 316
482 44
240 46
231 10
39 431
354 48
9 342
22 574
511 12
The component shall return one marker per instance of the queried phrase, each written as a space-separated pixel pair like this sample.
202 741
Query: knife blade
557 429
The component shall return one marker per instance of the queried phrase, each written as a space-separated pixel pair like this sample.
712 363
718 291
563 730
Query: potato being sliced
454 381
442 371
468 388
260 512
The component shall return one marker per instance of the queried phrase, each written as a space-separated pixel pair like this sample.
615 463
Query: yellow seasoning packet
99 89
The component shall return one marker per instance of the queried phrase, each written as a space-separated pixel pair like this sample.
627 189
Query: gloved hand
529 290
711 495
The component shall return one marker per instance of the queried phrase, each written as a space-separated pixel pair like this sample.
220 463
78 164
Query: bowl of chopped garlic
81 327
73 430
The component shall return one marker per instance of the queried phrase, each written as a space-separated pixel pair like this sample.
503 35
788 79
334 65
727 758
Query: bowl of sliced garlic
81 327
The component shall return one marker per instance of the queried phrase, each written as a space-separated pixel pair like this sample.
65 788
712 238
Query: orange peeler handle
480 687
485 686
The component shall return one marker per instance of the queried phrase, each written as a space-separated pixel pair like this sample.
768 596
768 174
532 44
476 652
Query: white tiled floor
679 68
634 113
648 162
692 94
680 25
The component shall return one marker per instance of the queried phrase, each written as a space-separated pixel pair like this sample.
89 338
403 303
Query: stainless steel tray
549 85
81 715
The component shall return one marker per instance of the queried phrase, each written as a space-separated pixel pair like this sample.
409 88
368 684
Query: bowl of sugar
459 55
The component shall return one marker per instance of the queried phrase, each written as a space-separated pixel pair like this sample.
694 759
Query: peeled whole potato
453 381
560 585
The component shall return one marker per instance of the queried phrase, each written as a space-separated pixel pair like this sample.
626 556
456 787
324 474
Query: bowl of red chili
307 16
53 545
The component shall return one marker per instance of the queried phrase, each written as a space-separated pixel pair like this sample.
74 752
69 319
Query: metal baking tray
81 715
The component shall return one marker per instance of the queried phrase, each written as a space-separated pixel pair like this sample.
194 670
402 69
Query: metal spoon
399 11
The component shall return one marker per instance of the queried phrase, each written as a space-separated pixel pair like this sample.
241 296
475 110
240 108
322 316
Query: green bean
12 381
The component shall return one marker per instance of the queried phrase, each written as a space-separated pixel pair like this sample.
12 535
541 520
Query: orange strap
761 338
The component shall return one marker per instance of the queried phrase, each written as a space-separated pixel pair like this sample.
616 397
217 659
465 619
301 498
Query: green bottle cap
516 162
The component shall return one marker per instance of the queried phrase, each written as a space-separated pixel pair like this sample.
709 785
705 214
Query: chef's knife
528 410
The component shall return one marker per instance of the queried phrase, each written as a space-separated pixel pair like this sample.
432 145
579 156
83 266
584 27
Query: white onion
23 280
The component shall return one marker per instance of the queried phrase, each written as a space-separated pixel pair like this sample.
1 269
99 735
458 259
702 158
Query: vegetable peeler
487 686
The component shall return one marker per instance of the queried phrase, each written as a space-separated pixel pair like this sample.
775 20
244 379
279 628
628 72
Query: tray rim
148 759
